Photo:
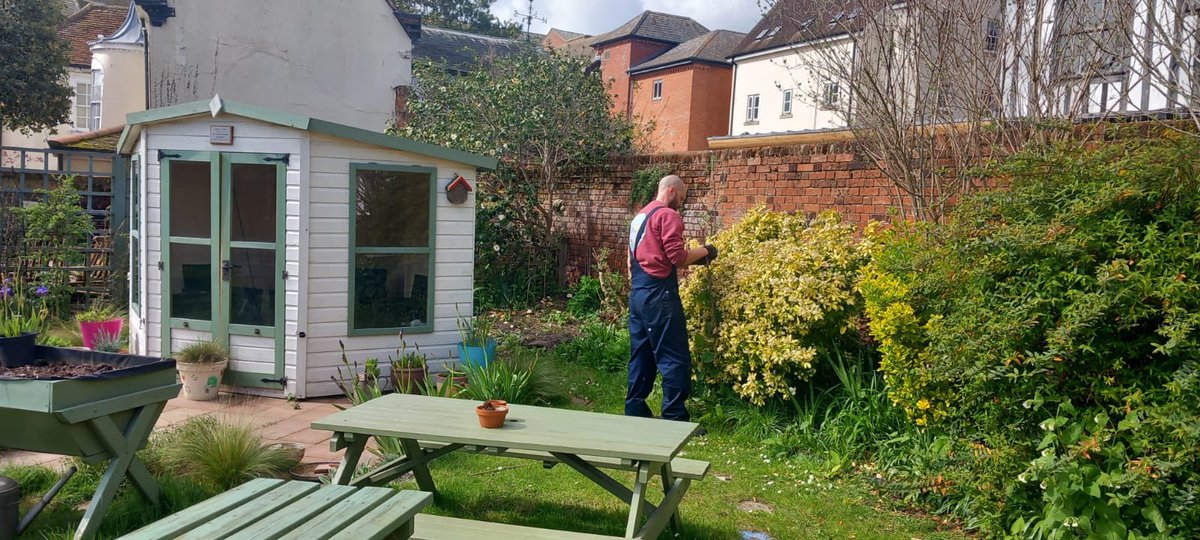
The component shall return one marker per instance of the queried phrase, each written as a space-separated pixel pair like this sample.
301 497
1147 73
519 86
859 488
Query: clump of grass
223 453
203 352
106 342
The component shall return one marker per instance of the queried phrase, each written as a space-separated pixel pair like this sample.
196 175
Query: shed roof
654 26
713 47
137 120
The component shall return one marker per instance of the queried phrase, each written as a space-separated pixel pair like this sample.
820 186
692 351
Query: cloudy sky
599 16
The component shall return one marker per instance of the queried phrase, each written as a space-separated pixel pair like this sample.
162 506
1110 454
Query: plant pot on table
477 356
92 331
492 413
18 351
201 380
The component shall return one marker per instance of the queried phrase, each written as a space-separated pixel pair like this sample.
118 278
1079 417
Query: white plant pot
201 382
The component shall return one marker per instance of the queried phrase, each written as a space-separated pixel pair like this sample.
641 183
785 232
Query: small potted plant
200 366
107 343
449 382
408 369
371 378
492 413
21 319
477 347
100 317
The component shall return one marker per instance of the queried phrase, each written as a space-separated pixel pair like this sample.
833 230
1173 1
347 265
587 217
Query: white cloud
599 16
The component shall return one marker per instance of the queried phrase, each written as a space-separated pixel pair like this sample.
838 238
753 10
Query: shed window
135 236
658 89
392 248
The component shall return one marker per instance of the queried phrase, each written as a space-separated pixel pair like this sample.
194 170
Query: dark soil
55 371
534 327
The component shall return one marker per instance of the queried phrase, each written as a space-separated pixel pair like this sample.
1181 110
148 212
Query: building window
658 89
96 95
752 109
992 36
83 106
392 248
943 98
831 97
135 236
787 102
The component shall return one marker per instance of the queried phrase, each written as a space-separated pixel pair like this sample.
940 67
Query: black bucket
18 351
10 498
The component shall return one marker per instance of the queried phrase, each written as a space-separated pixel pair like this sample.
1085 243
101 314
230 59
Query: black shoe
701 432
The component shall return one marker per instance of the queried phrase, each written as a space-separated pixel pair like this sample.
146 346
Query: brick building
684 92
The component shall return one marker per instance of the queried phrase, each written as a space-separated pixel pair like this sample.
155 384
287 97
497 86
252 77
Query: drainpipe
732 98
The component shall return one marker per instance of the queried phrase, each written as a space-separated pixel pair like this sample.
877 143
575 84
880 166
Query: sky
598 16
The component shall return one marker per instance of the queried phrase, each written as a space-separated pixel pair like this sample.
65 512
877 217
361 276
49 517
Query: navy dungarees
658 339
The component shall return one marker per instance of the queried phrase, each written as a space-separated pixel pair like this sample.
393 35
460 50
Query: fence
101 181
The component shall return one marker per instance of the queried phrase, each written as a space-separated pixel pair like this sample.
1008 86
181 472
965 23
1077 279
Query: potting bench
429 428
106 418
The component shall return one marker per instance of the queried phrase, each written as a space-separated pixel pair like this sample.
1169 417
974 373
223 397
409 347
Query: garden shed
284 236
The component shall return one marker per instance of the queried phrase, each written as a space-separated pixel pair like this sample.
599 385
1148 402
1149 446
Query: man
657 328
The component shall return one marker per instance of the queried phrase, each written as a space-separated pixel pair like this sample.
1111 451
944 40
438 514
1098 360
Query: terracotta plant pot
18 351
492 413
201 382
408 380
91 330
312 472
459 381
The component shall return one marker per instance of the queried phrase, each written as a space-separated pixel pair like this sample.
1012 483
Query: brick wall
694 106
722 186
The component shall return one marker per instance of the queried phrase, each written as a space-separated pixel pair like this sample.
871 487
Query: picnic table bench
429 428
269 509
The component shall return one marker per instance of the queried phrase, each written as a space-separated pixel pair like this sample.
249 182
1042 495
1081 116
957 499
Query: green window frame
354 250
135 236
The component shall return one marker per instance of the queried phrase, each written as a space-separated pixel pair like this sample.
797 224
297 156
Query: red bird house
458 190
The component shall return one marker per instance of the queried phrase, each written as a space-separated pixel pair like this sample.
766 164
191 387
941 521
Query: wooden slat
340 515
387 518
444 528
692 469
295 515
535 428
238 518
199 514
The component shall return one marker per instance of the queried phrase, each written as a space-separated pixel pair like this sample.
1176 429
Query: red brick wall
710 106
722 186
623 55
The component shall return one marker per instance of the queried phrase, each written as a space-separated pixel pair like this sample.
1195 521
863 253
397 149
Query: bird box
457 191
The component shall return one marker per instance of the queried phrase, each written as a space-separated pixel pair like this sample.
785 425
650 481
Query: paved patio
278 420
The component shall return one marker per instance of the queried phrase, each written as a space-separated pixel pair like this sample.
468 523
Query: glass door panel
188 187
252 287
252 202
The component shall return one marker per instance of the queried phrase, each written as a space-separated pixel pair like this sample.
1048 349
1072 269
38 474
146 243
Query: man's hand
709 256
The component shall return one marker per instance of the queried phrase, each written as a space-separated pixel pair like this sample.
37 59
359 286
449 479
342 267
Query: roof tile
87 25
655 26
712 47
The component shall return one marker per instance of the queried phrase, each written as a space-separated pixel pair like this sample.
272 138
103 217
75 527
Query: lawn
747 490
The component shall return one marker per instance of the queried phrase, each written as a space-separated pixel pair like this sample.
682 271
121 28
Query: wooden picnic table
431 427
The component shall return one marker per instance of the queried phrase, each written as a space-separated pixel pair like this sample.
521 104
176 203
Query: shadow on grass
522 509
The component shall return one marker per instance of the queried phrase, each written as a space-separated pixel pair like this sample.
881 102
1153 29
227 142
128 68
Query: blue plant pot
477 356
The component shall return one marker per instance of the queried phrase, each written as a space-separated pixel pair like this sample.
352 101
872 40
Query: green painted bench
267 509
692 469
444 528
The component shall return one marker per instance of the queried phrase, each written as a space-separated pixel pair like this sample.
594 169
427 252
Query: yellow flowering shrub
781 291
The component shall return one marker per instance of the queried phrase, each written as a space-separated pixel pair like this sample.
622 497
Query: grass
793 496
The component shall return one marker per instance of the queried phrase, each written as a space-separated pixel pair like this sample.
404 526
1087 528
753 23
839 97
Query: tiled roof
714 47
655 26
567 36
101 140
460 51
798 21
86 25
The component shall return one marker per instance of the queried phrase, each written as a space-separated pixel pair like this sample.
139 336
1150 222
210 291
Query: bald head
672 191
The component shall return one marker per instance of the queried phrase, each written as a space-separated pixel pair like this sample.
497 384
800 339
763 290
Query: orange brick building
671 73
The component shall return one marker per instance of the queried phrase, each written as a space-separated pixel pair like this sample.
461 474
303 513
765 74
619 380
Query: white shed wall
328 262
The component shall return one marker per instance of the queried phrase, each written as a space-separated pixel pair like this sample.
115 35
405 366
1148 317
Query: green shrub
585 297
223 453
781 290
1052 330
603 346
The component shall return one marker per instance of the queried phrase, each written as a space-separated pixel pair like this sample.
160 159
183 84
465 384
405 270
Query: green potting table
106 420
430 427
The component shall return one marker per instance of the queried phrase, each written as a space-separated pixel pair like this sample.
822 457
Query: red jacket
662 248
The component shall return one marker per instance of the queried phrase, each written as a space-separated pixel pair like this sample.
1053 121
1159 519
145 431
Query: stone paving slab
278 420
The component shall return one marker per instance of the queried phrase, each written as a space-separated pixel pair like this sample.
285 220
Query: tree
469 15
33 93
543 116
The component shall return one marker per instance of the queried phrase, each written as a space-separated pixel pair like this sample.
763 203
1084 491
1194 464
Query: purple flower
41 291
5 292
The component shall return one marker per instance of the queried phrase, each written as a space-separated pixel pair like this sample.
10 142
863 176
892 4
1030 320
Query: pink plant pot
91 330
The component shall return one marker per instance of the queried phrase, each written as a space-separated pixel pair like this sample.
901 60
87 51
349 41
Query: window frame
657 90
753 107
831 95
95 107
788 103
991 35
353 250
135 235
84 101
